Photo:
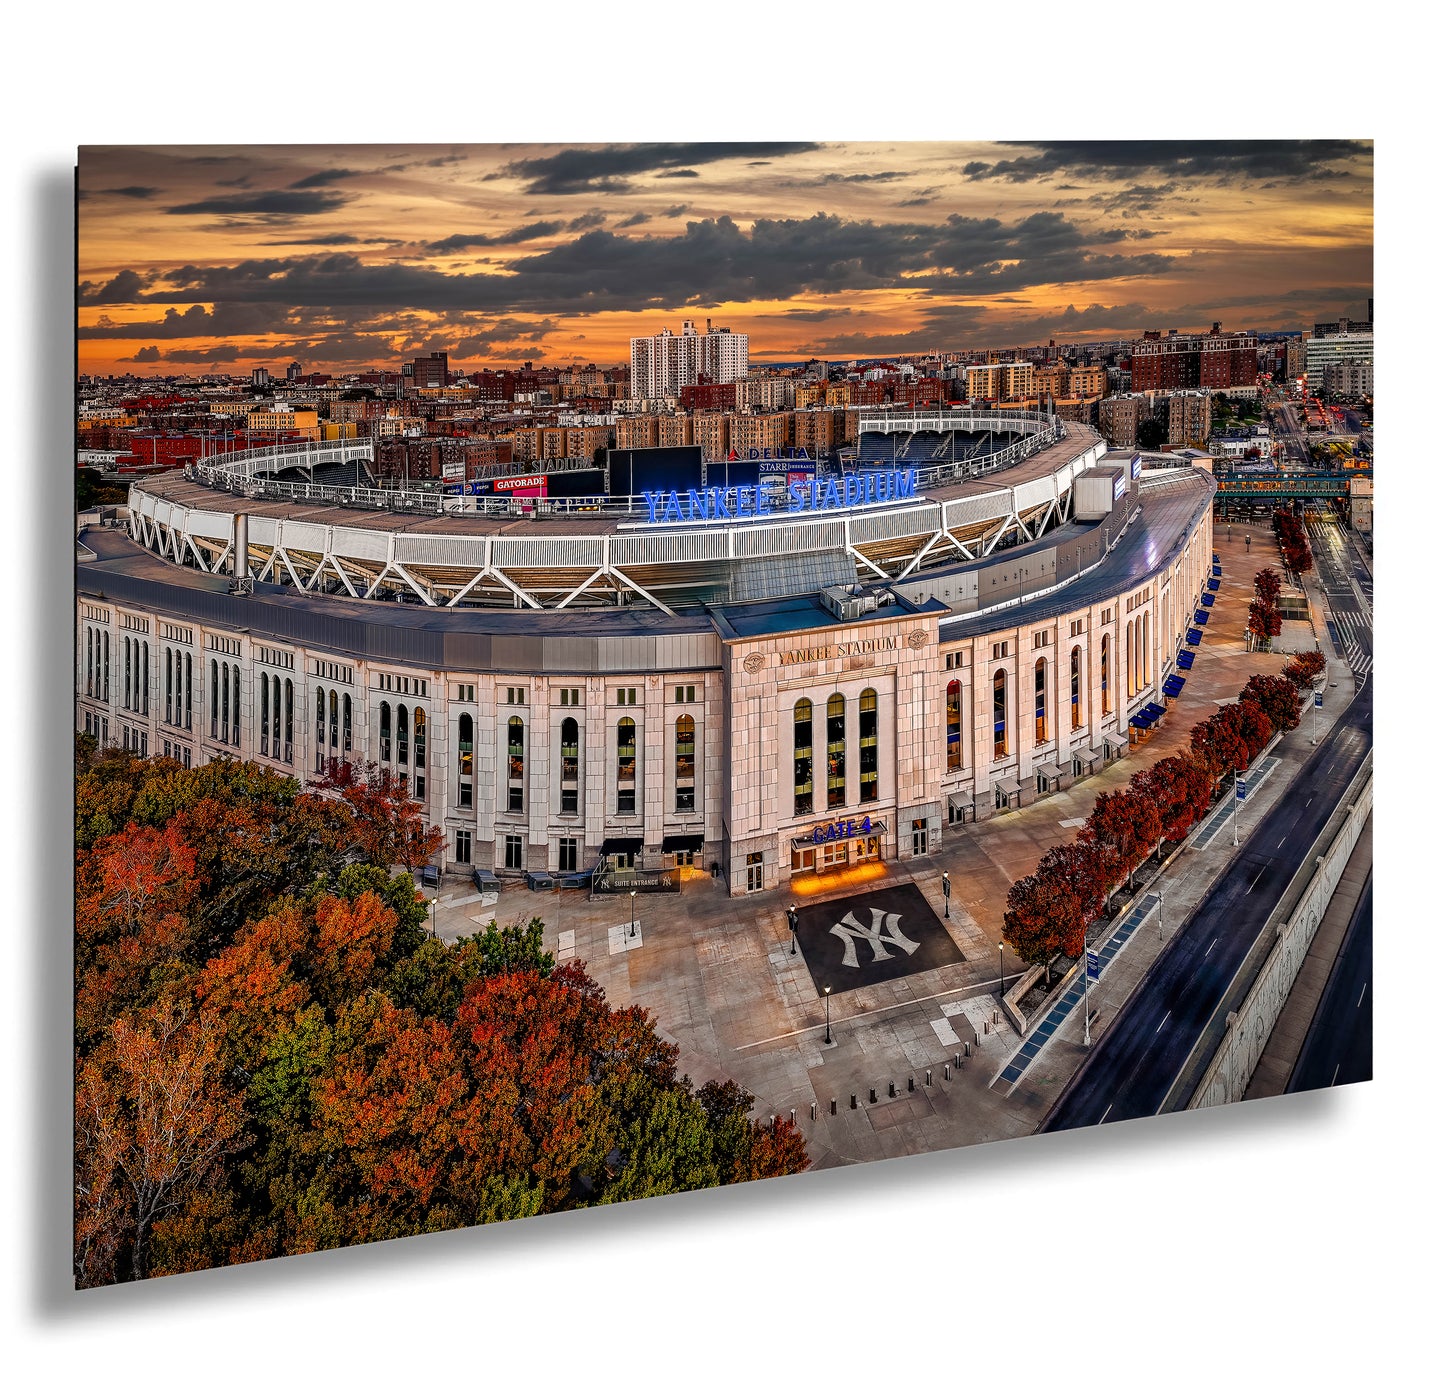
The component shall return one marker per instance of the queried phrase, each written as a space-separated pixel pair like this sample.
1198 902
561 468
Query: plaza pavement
719 977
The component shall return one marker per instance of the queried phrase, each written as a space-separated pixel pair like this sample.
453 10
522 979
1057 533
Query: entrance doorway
920 837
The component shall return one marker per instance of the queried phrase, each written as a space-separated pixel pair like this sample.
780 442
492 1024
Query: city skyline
218 259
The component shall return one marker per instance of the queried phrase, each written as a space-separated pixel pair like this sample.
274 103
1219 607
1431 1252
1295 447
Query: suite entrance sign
798 497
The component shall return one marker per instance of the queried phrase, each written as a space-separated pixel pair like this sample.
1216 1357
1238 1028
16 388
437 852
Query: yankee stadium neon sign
801 497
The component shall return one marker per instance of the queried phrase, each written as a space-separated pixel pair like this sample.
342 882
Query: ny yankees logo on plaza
849 928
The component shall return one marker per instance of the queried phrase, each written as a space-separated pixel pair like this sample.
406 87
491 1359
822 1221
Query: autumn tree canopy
274 1057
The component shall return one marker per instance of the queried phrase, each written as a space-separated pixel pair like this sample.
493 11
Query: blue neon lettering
652 497
797 497
832 497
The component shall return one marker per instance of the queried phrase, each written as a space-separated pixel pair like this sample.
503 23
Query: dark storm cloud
711 261
289 202
458 241
236 318
677 210
634 220
322 177
146 354
124 286
1137 198
1258 160
134 191
595 219
606 167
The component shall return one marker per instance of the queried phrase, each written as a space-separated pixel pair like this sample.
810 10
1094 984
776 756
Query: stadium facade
804 676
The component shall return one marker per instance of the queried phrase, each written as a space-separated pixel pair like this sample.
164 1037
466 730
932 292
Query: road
1139 1056
1339 1047
1136 1062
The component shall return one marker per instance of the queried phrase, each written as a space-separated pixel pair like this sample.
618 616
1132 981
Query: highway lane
1339 1047
1130 1072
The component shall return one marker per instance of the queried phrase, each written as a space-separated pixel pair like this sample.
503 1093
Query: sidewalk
718 974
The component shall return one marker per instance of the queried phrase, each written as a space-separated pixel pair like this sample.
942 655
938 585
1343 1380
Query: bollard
772 1121
891 1091
928 1077
852 1101
910 1084
792 1116
975 1038
947 1073
958 1060
966 1050
813 1112
872 1094
832 1106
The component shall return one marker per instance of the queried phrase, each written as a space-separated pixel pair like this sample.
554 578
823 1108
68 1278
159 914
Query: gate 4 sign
841 830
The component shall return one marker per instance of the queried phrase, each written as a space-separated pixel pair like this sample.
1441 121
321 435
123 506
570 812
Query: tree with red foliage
1178 787
1040 917
1127 823
1305 669
1217 743
1277 696
388 826
1255 728
1267 585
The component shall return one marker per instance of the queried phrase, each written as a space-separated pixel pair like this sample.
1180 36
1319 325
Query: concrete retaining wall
1247 1030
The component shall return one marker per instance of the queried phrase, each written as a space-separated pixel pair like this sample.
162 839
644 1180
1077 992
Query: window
626 767
567 854
464 846
335 723
346 723
265 715
837 753
1075 685
236 705
1000 650
569 770
464 761
627 697
686 751
1104 673
685 694
755 871
513 856
89 661
516 696
1000 714
953 724
320 718
568 698
188 701
1076 628
418 735
385 731
1041 702
868 745
1041 638
516 763
105 668
467 693
401 734
802 757
1106 616
290 697
953 660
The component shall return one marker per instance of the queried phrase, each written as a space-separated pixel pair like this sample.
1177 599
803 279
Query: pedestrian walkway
1225 813
1038 1040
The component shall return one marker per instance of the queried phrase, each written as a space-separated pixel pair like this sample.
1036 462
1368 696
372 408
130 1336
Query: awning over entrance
1088 755
681 844
1050 770
959 806
620 844
1010 786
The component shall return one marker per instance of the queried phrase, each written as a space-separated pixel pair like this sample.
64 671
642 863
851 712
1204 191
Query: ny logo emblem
850 927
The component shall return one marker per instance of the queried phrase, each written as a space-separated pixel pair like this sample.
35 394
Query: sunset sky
197 259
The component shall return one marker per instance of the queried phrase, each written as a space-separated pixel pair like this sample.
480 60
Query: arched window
464 761
276 715
837 753
1076 681
225 702
1129 660
188 691
626 767
802 757
89 660
125 692
868 745
105 666
1000 714
953 724
1104 675
1148 667
320 723
384 730
215 699
290 706
236 705
686 752
516 762
145 677
570 752
170 685
1041 701
401 734
335 726
418 734
265 715
346 723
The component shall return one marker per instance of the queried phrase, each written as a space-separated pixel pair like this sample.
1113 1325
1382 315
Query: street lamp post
1000 972
1088 1043
947 891
1161 914
1235 804
632 932
827 1014
433 917
1246 543
793 928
